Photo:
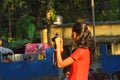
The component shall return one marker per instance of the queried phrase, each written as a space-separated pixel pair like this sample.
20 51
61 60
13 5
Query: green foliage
113 11
53 14
25 14
17 42
52 9
31 31
12 5
107 11
26 27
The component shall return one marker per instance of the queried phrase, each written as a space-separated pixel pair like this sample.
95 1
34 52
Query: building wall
66 30
107 29
105 33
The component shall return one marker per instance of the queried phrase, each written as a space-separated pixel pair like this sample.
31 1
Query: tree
33 13
1 19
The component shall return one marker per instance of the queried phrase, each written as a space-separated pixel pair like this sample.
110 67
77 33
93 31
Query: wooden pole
93 20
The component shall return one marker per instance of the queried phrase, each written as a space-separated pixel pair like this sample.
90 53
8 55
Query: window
109 48
115 48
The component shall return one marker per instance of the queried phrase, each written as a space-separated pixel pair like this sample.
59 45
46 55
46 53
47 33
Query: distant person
6 59
116 75
100 75
0 42
81 57
91 73
66 72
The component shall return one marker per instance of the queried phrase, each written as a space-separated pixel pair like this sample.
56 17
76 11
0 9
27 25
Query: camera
53 39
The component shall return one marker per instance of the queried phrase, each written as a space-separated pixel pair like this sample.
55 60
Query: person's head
67 74
0 42
99 70
91 71
82 36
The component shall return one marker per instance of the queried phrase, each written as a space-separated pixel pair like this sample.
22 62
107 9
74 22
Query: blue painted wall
29 69
110 63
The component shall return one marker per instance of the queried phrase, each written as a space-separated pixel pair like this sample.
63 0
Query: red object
80 68
35 47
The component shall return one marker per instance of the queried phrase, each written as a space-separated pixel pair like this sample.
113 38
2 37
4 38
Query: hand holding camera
58 41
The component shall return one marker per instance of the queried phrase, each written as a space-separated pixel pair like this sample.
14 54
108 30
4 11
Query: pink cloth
35 48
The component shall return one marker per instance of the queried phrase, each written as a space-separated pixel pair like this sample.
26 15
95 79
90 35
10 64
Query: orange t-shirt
80 68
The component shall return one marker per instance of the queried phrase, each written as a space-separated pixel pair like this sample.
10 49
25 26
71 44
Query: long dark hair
85 38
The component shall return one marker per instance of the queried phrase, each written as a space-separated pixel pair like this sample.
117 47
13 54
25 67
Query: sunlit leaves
53 14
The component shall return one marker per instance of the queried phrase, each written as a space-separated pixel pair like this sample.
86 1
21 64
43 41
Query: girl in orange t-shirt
80 59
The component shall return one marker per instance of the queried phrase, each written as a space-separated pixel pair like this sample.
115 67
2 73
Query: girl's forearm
58 55
61 47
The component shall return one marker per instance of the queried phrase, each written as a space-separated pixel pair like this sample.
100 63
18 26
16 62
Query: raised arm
59 47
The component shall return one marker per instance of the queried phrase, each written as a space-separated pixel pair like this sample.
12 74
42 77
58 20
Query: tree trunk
48 17
49 33
1 1
9 23
48 27
9 27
